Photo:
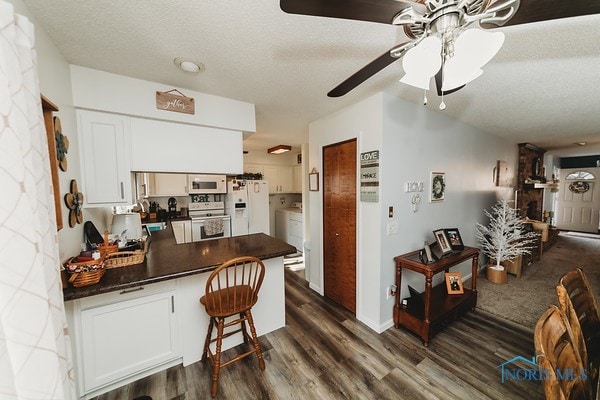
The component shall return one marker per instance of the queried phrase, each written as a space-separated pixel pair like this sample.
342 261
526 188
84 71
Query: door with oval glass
339 223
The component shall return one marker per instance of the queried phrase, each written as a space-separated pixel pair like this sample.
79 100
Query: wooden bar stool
232 290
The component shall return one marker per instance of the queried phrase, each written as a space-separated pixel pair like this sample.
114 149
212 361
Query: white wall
412 142
55 84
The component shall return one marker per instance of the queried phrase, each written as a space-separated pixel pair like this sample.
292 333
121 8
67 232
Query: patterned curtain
34 349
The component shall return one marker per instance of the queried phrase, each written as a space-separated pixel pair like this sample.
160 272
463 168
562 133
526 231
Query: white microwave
207 184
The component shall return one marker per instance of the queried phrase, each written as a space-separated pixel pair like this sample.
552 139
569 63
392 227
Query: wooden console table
427 316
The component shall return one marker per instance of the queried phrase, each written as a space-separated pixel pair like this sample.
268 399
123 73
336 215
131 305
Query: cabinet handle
122 191
173 304
144 192
132 290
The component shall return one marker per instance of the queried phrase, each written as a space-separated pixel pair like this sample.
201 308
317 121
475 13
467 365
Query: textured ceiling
542 87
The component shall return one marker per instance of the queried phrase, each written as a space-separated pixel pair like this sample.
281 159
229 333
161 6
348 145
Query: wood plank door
339 223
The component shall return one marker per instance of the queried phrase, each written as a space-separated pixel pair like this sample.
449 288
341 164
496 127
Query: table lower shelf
443 308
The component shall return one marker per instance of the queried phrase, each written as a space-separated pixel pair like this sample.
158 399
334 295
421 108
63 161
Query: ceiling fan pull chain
442 104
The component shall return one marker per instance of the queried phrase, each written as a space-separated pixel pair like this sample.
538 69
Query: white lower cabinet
124 334
182 231
289 227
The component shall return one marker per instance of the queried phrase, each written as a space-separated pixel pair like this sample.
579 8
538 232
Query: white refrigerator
247 202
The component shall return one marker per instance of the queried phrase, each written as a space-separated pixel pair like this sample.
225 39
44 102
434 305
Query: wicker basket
85 273
106 249
124 259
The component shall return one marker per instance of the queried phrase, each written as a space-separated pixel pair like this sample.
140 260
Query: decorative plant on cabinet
503 239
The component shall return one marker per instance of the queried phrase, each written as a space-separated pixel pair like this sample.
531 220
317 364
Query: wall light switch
391 212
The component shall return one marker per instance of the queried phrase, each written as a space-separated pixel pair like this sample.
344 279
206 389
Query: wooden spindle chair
232 290
577 301
556 350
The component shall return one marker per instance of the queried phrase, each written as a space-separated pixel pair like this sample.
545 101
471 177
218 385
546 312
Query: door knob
337 234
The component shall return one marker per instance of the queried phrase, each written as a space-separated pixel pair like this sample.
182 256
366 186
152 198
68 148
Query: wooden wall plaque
174 100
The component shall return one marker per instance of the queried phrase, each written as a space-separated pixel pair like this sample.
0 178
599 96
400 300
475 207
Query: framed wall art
438 187
313 180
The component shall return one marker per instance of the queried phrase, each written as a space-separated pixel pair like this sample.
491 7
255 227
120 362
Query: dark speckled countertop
167 260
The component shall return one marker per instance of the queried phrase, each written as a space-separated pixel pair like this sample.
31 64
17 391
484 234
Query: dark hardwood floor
325 353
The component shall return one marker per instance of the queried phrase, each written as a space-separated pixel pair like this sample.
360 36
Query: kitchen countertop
167 260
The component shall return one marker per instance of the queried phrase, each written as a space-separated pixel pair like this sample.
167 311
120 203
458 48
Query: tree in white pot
504 238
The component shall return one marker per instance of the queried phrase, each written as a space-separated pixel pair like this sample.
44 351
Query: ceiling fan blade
438 85
382 11
363 74
542 10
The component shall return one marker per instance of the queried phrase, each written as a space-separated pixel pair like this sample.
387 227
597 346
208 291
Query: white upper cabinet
279 177
104 144
161 146
167 185
297 179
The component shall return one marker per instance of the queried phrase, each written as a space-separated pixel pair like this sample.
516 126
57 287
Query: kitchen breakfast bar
144 318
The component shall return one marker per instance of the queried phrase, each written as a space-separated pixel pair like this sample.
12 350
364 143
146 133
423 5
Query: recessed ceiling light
580 143
188 65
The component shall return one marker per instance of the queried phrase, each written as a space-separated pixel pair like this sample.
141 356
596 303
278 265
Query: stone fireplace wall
530 201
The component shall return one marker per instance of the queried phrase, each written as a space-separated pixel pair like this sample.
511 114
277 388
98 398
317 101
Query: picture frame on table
443 241
454 283
455 239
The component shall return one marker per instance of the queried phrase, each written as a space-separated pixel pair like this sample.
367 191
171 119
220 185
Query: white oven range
209 220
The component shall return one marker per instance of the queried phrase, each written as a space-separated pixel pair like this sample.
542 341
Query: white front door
579 200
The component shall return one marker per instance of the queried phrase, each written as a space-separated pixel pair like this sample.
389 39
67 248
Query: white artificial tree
504 238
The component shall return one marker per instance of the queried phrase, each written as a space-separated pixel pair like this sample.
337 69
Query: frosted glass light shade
422 62
472 50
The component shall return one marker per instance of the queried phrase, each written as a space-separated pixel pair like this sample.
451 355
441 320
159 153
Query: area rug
523 300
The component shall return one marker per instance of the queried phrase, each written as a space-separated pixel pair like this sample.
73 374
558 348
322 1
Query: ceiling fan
442 43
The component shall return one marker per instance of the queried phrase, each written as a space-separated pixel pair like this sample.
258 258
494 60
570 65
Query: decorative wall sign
313 180
501 174
74 202
369 176
178 102
438 186
62 145
579 187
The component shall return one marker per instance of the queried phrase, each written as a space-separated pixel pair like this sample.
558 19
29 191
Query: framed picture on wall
438 187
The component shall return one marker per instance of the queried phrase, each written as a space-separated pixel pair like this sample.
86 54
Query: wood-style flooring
325 353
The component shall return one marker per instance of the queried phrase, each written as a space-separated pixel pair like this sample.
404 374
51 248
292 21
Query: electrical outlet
391 291
392 228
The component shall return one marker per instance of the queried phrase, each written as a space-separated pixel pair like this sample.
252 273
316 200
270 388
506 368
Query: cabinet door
297 179
279 177
286 178
105 167
182 231
168 185
281 225
124 338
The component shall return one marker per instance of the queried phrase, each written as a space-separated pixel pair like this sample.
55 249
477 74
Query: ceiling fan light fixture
282 148
422 62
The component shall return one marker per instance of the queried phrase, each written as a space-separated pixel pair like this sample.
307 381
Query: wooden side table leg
397 298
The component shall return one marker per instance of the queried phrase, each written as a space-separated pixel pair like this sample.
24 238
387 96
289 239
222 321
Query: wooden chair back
233 287
563 372
566 306
584 303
